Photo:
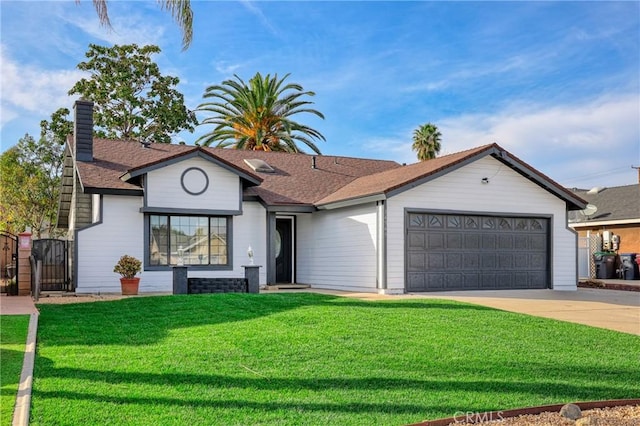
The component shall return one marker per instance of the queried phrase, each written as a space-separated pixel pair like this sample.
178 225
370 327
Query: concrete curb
23 400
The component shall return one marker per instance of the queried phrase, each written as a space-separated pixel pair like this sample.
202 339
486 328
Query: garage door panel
520 260
488 242
502 280
505 261
435 240
520 242
471 281
537 261
417 262
537 242
454 261
454 241
415 282
472 241
537 280
488 261
417 241
505 242
476 252
435 261
471 261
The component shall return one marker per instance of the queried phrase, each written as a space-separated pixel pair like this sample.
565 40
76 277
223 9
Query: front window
188 240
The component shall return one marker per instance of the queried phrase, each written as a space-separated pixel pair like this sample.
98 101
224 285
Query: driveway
610 309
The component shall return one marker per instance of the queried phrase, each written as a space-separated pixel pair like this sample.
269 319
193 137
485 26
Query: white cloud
251 7
31 89
583 145
127 28
576 144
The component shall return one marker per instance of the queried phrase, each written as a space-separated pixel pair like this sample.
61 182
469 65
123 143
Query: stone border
23 400
530 410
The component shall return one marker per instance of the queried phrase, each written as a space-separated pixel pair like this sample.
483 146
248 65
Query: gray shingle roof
614 203
294 181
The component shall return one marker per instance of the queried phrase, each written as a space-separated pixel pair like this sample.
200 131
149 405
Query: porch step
287 286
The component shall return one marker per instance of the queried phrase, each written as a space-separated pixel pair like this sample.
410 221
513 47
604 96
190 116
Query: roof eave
371 198
573 201
589 224
196 152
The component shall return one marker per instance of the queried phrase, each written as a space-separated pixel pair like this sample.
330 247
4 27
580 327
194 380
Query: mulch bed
608 286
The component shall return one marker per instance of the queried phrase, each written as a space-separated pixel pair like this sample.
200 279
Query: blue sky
555 83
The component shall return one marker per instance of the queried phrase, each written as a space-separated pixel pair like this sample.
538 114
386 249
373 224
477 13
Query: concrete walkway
17 305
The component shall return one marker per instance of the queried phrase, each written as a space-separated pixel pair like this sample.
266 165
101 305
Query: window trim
169 267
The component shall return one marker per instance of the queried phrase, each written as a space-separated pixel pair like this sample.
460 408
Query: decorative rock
591 421
571 411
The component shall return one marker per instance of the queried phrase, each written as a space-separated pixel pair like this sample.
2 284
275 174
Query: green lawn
13 338
299 358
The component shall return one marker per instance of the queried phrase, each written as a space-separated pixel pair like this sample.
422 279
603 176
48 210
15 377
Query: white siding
337 249
122 232
100 245
164 188
462 190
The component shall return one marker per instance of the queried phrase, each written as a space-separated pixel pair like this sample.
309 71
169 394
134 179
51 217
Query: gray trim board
189 212
108 191
289 209
353 201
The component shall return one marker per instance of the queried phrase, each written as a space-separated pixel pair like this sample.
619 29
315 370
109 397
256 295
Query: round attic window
194 181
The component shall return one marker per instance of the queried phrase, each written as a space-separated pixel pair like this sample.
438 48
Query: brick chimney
83 130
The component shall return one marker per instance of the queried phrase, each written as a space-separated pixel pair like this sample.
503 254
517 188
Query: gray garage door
472 252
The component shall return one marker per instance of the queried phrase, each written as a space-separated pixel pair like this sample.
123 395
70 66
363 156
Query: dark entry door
284 250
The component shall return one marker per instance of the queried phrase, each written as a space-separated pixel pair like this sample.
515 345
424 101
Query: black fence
8 263
53 256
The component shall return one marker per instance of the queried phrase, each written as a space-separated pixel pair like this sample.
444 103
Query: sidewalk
17 305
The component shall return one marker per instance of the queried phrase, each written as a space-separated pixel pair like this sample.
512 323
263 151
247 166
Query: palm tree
180 10
257 116
426 141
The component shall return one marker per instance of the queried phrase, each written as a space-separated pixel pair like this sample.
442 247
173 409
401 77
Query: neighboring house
477 219
617 210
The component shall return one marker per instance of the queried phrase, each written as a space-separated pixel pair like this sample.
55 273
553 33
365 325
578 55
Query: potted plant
128 267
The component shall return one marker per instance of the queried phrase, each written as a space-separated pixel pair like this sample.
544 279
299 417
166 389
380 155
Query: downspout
381 246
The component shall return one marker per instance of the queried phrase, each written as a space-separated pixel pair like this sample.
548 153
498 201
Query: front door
284 250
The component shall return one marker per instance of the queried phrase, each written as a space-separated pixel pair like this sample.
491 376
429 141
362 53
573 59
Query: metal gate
8 262
54 257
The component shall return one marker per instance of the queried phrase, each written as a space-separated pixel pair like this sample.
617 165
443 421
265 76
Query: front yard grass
300 358
13 338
